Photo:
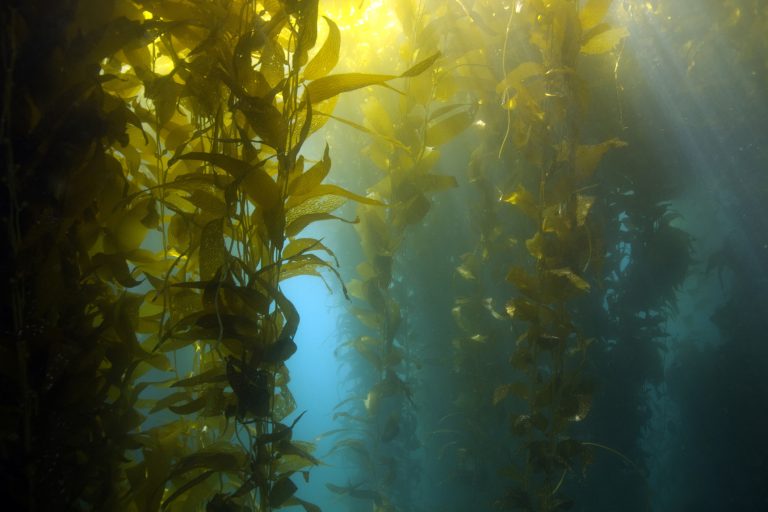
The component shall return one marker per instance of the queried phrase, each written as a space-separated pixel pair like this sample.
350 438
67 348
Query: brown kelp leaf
523 200
213 252
281 491
328 55
573 278
517 389
214 375
216 458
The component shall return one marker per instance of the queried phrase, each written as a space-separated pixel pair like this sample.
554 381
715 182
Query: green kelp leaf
215 458
187 486
517 389
328 55
300 449
333 85
572 277
281 491
593 12
213 252
170 400
605 41
588 156
189 407
446 129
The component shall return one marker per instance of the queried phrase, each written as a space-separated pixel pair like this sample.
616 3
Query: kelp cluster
129 127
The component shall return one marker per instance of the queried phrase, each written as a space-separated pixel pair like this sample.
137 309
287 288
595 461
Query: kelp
178 125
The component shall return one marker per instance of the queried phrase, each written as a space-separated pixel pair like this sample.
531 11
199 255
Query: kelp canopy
510 281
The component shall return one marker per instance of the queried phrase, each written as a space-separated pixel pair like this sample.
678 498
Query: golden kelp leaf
605 41
523 200
328 55
583 206
588 157
332 85
517 76
574 278
306 182
213 252
313 205
332 190
517 389
302 245
448 128
593 13
295 227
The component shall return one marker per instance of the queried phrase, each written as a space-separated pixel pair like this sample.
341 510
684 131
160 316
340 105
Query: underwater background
384 255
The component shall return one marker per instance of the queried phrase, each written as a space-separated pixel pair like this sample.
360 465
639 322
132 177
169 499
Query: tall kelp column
154 193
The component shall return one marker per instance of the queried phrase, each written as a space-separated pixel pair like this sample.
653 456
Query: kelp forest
384 255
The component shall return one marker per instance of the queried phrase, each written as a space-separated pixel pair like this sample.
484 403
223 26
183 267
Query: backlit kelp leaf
328 55
523 200
604 41
298 225
331 190
253 179
516 77
307 181
589 156
299 246
300 449
446 129
593 12
208 203
333 85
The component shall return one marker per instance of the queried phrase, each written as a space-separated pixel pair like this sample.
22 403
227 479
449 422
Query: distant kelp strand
405 135
556 193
